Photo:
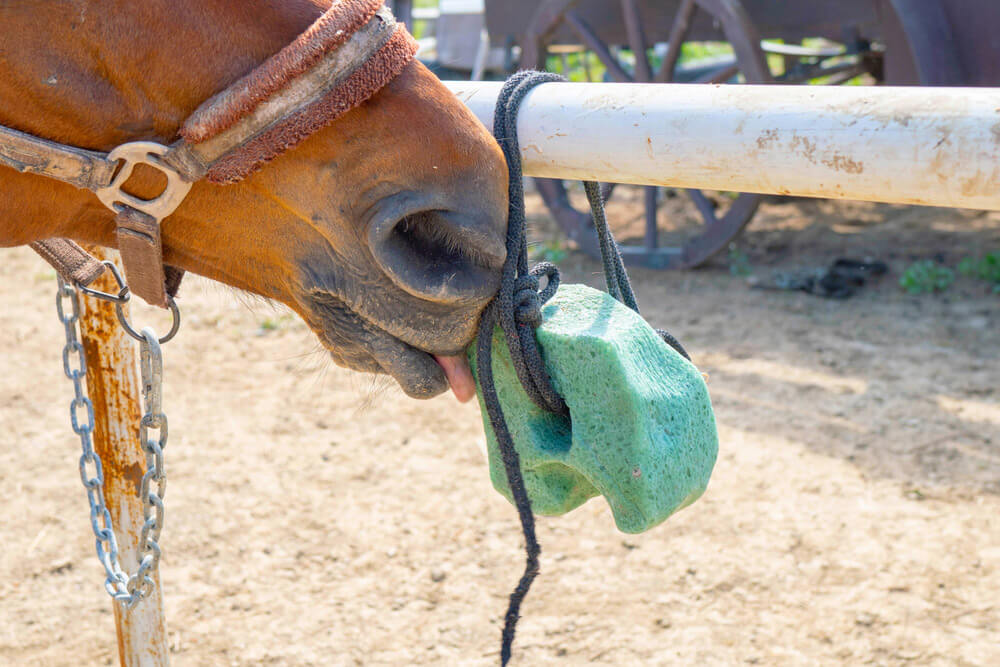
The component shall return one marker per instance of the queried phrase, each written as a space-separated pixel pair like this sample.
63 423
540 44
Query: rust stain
805 147
996 132
978 185
133 473
840 162
837 161
767 139
649 146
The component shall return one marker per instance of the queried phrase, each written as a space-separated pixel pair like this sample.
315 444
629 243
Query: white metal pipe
113 385
928 146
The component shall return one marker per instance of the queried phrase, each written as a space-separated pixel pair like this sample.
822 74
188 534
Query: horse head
384 230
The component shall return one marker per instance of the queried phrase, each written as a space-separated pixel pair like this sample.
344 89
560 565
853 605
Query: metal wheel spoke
595 44
652 237
720 75
637 40
705 206
682 22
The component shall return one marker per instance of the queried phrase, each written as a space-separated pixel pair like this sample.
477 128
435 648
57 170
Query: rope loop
551 273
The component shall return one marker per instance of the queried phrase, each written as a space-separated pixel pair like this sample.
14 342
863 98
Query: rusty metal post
114 388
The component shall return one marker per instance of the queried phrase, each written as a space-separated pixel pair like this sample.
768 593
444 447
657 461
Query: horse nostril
440 255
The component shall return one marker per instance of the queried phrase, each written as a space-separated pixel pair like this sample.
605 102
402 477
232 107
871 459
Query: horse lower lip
415 371
419 373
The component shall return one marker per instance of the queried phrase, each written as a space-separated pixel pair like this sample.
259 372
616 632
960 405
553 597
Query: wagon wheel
717 217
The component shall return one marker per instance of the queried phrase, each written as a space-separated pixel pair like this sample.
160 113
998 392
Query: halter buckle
147 153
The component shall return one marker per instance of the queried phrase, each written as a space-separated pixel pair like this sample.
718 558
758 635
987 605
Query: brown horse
383 231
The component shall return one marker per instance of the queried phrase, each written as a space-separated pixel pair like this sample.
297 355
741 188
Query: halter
344 58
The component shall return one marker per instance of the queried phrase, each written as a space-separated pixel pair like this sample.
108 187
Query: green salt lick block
641 430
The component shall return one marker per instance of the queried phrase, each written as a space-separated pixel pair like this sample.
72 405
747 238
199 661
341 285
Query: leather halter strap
344 58
31 155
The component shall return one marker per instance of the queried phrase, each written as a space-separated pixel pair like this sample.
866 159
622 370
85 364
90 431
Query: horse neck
98 73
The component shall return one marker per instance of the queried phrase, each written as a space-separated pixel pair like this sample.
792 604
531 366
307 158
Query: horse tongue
459 375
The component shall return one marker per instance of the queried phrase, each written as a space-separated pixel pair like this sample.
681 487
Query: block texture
641 430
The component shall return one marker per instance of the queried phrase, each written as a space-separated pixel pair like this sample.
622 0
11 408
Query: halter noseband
344 58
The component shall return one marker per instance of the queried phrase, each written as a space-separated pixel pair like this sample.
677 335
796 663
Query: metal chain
127 589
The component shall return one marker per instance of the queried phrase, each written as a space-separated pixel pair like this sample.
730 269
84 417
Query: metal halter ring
123 295
130 330
149 154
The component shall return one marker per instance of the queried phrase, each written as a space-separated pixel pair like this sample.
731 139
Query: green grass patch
421 29
550 251
926 277
986 268
739 263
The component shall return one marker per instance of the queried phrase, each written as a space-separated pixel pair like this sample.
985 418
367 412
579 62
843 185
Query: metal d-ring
123 295
148 153
127 326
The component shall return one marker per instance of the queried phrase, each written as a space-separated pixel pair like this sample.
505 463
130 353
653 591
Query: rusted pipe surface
114 388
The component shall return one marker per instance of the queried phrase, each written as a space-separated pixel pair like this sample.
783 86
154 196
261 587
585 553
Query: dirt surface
316 518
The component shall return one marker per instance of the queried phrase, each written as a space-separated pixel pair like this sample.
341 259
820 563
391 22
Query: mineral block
641 431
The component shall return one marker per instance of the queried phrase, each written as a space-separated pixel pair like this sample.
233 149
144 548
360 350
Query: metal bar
482 56
842 77
810 72
113 386
425 14
927 146
799 51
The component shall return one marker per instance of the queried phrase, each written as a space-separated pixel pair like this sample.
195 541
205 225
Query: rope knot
527 304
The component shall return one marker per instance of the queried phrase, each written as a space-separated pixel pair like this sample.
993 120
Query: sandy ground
315 518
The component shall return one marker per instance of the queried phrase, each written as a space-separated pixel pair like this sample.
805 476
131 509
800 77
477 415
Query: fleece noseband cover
339 62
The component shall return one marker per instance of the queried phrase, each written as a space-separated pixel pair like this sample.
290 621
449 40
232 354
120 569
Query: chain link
127 589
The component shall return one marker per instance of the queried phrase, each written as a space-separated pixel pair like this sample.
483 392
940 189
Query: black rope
517 308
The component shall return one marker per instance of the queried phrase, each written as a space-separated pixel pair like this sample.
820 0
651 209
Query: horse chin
356 342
